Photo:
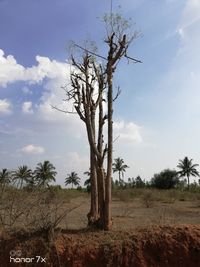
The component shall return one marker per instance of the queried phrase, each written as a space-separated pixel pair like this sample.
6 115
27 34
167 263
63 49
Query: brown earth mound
165 246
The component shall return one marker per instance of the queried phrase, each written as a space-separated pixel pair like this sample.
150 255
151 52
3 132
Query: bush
166 179
139 183
79 188
55 187
147 199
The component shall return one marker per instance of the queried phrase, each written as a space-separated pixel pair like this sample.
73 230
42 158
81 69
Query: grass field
67 209
142 208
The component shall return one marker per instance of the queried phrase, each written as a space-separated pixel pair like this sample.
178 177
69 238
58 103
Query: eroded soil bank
165 246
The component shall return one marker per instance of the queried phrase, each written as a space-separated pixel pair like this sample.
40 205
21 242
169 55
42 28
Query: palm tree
4 178
120 167
22 175
87 182
31 183
73 179
45 173
187 168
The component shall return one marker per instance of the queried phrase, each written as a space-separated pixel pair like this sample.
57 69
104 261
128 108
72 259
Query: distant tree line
166 179
24 177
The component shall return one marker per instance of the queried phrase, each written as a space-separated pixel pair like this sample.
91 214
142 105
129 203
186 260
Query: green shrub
166 179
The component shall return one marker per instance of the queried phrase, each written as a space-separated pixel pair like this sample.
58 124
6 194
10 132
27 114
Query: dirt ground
139 212
167 246
150 229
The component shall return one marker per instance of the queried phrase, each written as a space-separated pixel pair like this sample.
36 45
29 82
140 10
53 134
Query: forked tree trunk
93 215
108 222
83 88
101 195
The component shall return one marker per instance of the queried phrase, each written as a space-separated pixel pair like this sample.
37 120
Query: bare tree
91 86
88 83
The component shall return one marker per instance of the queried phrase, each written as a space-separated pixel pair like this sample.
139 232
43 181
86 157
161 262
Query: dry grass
67 209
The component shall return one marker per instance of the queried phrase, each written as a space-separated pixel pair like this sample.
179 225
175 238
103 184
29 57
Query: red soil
166 246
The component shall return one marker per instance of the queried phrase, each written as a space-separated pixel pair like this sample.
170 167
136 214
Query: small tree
131 182
139 183
166 179
31 183
72 179
120 167
22 175
187 168
45 173
5 177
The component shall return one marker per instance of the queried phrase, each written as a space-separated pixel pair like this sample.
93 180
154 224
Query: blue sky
157 115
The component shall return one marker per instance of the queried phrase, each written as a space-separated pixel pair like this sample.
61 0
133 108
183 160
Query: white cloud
127 132
75 160
27 107
32 149
53 95
5 107
51 74
11 71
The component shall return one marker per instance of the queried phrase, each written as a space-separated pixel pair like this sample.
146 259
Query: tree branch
133 59
64 111
88 51
117 95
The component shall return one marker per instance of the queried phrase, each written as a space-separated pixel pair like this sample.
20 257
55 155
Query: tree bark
101 194
188 178
93 215
108 222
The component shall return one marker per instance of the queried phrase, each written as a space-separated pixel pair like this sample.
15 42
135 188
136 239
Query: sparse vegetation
60 208
49 210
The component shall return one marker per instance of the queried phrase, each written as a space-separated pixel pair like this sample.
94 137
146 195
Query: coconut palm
187 168
4 178
87 182
120 167
32 183
45 173
22 175
72 179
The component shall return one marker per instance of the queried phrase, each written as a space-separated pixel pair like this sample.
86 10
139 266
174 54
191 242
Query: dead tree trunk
88 76
86 105
110 148
93 215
